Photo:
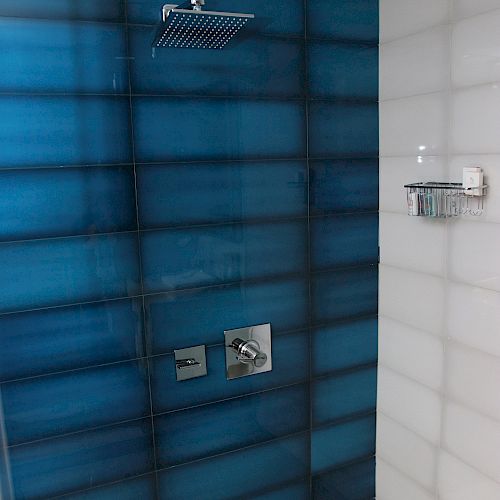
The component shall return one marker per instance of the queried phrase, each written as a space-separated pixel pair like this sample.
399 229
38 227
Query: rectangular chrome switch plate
259 335
190 363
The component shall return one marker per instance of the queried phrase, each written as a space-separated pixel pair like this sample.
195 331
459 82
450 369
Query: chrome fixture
188 26
248 351
190 363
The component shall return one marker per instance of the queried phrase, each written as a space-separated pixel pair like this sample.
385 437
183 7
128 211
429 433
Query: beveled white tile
415 243
410 453
473 317
473 438
473 378
412 352
393 485
416 64
474 253
476 50
413 405
414 126
458 481
400 18
416 299
475 127
467 8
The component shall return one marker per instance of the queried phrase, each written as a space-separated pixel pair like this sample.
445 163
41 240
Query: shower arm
196 4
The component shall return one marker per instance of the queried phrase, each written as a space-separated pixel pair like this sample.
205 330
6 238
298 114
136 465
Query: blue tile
344 294
352 440
343 130
354 482
201 193
338 397
183 258
83 460
58 56
52 272
288 350
263 466
342 346
86 201
171 323
57 404
177 129
65 338
249 66
342 71
64 130
344 240
296 491
270 17
338 186
90 10
183 436
343 19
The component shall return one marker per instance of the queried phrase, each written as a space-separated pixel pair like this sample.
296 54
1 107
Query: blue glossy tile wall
153 199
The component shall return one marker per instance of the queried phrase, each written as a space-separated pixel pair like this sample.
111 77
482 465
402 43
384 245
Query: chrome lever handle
186 363
248 351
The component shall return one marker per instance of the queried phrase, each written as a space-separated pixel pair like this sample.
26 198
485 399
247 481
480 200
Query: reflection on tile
343 130
344 240
200 193
344 294
58 404
342 71
171 323
343 186
83 460
354 439
64 130
55 56
217 129
87 200
65 338
288 350
68 270
253 66
263 466
216 428
194 257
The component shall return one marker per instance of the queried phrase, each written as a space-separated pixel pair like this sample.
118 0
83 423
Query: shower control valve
248 351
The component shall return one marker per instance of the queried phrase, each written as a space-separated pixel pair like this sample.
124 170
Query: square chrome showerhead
198 29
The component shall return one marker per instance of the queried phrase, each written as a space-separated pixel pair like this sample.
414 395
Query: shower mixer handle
248 351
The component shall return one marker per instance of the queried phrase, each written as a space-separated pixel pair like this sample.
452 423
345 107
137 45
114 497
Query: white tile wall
468 8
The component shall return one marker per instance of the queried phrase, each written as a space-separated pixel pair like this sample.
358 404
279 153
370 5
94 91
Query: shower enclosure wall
152 200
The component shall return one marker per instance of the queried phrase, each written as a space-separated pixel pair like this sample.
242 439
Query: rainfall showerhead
198 29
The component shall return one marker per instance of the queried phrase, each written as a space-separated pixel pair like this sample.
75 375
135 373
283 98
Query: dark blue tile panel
200 193
51 272
57 404
50 202
64 338
343 19
288 350
337 347
270 17
338 397
187 435
342 71
296 491
338 186
343 130
342 443
344 240
250 66
83 460
177 129
171 323
354 482
58 56
271 464
64 130
90 10
344 294
183 258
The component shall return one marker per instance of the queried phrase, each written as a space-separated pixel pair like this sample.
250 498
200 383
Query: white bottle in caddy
473 181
